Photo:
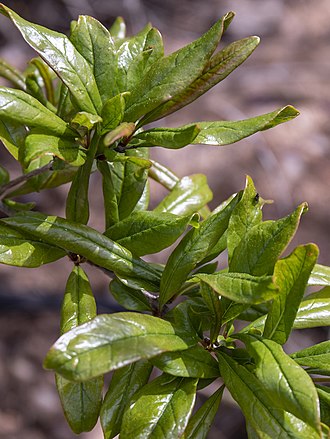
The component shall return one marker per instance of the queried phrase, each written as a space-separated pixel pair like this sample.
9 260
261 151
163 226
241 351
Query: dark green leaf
241 287
22 251
87 242
160 409
225 133
317 356
194 362
200 423
291 275
4 176
124 383
61 55
212 300
109 193
171 75
172 138
148 232
189 195
320 276
95 44
258 407
112 341
129 298
112 113
19 107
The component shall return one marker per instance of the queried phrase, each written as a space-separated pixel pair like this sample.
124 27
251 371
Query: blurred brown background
289 164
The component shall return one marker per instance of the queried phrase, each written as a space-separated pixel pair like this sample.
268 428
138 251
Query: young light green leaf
257 405
129 298
86 242
95 44
104 341
200 423
172 138
37 145
125 382
148 232
193 248
171 75
241 287
21 251
291 275
320 276
160 409
317 356
163 175
189 195
81 402
61 55
289 386
124 130
112 113
16 106
84 122
262 244
194 362
226 133
118 29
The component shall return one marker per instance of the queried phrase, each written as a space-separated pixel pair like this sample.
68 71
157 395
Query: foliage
81 107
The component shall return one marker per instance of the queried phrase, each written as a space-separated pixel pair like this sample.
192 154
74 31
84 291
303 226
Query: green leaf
288 385
225 133
262 245
194 362
118 29
193 248
317 356
217 69
109 193
86 242
314 311
84 122
324 397
123 130
125 382
112 113
95 44
19 107
81 402
37 145
258 406
61 55
212 301
320 276
4 176
291 275
9 72
172 138
47 76
129 298
163 175
148 232
12 135
241 287
112 341
171 75
21 251
160 409
200 423
189 195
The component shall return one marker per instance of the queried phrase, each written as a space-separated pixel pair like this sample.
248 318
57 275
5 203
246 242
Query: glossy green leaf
81 402
61 55
118 28
171 75
189 195
66 107
226 133
262 245
129 298
200 423
317 356
291 275
160 409
320 276
125 382
148 232
95 44
112 113
194 362
314 311
289 387
257 405
324 398
10 73
193 248
163 175
86 242
172 138
19 107
12 135
217 69
112 341
37 145
241 287
21 251
84 122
